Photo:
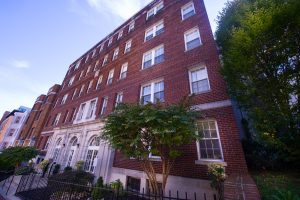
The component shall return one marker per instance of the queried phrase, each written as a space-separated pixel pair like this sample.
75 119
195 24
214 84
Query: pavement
1 197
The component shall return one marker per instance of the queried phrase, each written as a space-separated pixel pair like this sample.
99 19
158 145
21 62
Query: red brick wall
174 71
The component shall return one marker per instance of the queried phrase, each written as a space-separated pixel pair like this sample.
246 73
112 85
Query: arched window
92 153
72 149
57 149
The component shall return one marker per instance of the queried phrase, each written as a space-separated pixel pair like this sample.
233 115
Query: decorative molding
212 105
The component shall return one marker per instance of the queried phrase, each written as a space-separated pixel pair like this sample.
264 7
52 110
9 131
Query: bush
216 173
97 193
67 169
24 171
56 169
79 165
78 177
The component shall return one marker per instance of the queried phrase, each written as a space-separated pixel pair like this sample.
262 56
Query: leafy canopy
16 155
259 41
138 130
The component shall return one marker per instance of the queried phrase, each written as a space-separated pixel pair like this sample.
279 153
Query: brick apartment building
30 135
166 51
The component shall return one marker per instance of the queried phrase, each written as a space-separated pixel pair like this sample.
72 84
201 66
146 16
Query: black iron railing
35 187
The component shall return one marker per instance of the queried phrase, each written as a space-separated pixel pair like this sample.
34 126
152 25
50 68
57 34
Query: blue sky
40 39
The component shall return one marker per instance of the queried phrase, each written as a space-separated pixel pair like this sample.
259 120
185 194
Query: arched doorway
72 149
57 149
92 152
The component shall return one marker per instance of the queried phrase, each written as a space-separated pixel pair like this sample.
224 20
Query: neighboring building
165 52
11 126
32 129
5 114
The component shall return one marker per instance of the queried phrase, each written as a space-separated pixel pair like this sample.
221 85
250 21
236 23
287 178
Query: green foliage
24 171
116 185
68 168
138 130
79 165
56 169
285 195
5 165
16 155
260 41
43 164
78 177
216 173
97 192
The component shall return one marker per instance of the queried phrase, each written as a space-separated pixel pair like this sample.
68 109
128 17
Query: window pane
159 55
159 87
146 99
200 86
147 90
159 97
188 11
193 44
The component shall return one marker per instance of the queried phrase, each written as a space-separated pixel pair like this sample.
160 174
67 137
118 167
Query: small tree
16 155
216 173
141 130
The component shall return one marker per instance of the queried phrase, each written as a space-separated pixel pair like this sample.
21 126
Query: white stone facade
81 142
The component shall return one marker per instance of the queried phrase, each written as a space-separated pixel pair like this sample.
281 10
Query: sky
40 39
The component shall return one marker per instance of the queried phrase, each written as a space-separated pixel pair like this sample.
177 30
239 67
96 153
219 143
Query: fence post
21 181
10 184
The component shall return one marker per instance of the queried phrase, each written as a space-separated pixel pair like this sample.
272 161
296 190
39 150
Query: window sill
187 50
207 162
155 159
195 94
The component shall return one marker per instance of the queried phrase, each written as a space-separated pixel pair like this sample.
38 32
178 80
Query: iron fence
35 187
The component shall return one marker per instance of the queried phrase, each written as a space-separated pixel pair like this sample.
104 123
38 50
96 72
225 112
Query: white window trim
190 79
110 40
94 110
94 53
189 31
120 34
100 79
154 8
127 43
105 100
133 26
204 160
116 54
64 99
185 6
152 55
119 94
57 118
122 68
105 60
154 29
110 76
152 83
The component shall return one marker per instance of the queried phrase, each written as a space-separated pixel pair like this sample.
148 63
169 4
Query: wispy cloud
23 64
122 8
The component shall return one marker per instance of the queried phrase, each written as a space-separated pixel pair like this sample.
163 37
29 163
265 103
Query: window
91 109
81 112
127 46
65 117
120 34
74 94
154 56
73 114
88 70
11 132
99 82
123 72
110 41
87 58
81 74
155 10
116 54
188 10
56 119
104 106
131 27
101 48
57 150
77 64
71 81
63 101
105 60
155 30
133 184
209 146
73 148
81 90
119 98
91 156
192 39
18 119
96 65
110 77
90 86
199 80
152 92
94 53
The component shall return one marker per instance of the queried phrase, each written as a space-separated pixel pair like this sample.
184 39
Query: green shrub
116 185
78 177
24 171
79 165
68 168
285 195
56 169
97 191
